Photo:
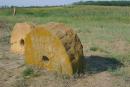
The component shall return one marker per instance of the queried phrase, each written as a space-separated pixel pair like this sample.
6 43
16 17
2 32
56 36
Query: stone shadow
96 64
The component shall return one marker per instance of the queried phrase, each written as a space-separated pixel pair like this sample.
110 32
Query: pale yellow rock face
45 50
71 43
18 35
54 47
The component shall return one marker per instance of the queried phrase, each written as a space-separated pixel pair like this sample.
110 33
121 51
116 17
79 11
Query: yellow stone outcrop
18 35
54 47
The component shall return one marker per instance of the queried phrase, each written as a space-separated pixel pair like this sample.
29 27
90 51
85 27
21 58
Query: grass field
104 32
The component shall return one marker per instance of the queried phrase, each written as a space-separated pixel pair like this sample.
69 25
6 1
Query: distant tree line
29 6
104 3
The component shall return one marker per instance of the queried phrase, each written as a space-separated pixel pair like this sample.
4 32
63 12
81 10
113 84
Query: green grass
94 48
104 28
28 72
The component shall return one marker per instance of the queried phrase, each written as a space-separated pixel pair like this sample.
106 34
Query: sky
36 2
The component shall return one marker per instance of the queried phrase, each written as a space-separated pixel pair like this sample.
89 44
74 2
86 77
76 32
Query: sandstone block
54 47
18 35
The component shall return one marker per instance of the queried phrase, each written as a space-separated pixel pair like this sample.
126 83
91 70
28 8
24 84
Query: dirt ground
11 66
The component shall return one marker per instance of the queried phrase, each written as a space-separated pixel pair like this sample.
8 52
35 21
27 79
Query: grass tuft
28 72
94 48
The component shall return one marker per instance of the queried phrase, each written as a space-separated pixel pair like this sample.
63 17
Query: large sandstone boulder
18 35
54 47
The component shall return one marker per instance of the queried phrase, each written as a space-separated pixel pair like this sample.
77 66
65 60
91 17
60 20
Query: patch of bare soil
10 65
103 79
117 46
120 46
